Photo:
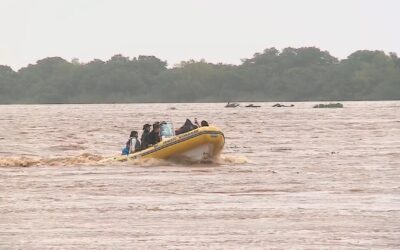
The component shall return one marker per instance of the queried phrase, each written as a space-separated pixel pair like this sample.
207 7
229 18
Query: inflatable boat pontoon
200 144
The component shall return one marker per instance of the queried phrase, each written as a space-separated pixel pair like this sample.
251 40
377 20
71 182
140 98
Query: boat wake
83 159
184 161
87 159
232 159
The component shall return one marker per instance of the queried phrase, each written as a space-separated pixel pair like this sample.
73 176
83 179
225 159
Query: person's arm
152 139
142 137
158 138
129 145
137 145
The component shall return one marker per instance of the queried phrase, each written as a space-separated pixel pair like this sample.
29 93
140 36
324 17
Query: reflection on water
297 178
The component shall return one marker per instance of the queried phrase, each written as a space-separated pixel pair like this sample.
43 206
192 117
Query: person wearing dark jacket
188 126
145 136
154 136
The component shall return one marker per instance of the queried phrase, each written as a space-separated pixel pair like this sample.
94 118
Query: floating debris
252 106
232 105
278 105
330 105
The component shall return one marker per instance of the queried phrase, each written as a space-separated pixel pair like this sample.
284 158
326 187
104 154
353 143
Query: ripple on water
297 178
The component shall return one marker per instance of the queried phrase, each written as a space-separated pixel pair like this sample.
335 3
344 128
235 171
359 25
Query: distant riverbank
303 74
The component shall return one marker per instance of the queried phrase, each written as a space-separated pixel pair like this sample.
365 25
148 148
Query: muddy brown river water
289 178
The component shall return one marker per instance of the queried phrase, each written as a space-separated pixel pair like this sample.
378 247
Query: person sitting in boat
145 136
166 130
132 145
154 135
188 126
204 123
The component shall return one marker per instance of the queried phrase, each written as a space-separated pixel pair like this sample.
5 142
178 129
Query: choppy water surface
289 178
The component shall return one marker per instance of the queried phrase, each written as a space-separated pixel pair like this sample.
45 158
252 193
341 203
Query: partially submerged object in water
200 144
330 105
252 106
231 105
278 105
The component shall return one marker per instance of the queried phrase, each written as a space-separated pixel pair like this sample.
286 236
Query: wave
222 160
232 159
83 159
92 159
145 162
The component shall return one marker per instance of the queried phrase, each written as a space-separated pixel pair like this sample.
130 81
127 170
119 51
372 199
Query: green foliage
293 74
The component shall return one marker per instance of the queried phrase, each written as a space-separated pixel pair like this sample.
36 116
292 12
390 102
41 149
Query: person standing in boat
154 136
145 136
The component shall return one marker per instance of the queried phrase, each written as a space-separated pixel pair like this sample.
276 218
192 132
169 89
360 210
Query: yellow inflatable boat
199 144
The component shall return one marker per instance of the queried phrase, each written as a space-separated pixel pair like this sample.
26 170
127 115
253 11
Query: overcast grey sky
176 30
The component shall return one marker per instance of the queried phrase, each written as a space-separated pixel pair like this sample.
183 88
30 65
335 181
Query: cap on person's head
146 126
156 125
134 134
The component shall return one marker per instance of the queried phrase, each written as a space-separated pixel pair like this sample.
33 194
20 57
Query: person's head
134 134
204 123
146 127
156 127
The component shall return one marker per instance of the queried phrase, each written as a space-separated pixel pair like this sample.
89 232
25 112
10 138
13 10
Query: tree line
292 74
